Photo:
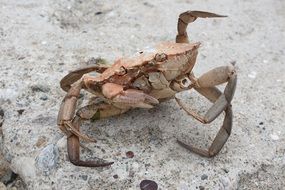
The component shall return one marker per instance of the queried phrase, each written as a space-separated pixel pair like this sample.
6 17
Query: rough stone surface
2 186
4 166
47 160
40 41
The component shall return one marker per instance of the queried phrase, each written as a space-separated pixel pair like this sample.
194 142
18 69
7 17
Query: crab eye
160 57
122 71
185 82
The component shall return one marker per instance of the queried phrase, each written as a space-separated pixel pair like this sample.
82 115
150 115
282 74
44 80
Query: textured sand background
41 41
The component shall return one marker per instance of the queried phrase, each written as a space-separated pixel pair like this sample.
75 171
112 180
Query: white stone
252 74
274 137
2 186
25 167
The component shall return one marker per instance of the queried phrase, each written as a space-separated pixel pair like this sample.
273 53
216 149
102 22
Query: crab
143 81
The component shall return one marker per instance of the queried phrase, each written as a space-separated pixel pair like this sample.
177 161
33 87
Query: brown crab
143 81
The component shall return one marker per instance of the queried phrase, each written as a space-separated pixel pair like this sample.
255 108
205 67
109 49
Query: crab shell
150 71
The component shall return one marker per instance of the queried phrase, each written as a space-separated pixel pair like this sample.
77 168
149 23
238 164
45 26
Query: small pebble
130 154
226 170
111 14
204 176
1 116
274 137
148 4
44 97
84 177
21 58
115 176
40 88
98 13
41 141
261 123
252 74
20 111
148 185
201 187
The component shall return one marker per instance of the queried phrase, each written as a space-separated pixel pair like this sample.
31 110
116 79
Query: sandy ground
41 41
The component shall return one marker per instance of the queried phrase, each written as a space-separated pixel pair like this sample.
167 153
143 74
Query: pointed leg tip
198 151
90 164
205 14
110 163
104 164
101 164
183 144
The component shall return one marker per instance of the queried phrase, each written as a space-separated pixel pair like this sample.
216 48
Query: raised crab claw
143 81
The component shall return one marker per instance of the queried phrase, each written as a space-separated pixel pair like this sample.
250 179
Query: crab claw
130 98
136 98
70 125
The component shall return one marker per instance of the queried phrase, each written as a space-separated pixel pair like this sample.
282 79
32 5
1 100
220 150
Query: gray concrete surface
40 41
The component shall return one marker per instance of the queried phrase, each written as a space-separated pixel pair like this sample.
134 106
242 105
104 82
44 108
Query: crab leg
123 101
93 112
73 149
220 139
222 102
70 125
67 109
188 17
74 76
